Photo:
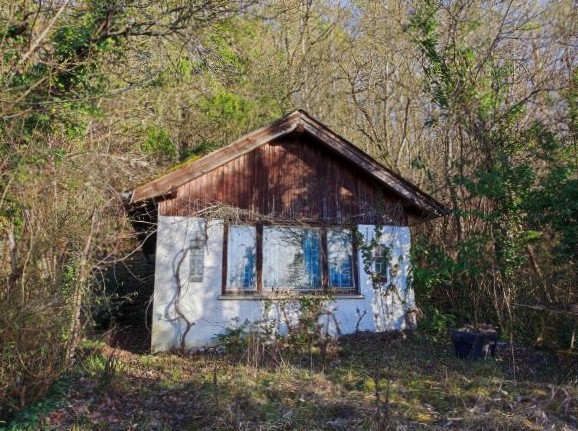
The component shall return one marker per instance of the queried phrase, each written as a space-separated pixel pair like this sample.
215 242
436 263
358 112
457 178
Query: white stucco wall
382 308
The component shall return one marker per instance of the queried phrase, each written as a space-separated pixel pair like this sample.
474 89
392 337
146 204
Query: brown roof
296 121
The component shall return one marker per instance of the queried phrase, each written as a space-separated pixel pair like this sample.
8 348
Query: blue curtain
248 270
311 256
341 267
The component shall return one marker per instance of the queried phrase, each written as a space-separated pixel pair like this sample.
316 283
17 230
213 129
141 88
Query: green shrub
158 143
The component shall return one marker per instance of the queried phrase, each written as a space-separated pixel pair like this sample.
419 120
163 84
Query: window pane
340 258
196 260
241 258
291 258
381 261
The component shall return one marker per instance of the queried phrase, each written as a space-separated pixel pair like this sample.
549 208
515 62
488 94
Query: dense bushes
61 171
510 177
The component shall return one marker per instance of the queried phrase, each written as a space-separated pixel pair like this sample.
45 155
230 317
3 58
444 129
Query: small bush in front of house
234 340
252 343
305 326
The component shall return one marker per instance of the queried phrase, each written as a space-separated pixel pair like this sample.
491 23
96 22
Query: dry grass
372 382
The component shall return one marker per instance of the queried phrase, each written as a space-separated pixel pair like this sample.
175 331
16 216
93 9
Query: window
196 260
241 258
273 258
381 262
291 258
340 259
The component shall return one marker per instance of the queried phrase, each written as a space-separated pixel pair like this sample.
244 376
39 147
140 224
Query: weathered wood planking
291 178
248 151
245 144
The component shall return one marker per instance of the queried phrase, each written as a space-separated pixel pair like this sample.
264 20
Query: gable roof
299 121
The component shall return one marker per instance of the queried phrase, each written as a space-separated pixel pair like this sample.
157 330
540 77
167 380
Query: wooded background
474 101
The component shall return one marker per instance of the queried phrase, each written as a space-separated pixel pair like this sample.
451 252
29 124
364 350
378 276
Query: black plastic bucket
474 345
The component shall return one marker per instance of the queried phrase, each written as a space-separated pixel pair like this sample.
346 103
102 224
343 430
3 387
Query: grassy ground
365 382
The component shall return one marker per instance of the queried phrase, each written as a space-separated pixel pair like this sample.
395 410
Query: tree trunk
75 323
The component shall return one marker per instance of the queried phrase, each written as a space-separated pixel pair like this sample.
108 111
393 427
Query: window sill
255 297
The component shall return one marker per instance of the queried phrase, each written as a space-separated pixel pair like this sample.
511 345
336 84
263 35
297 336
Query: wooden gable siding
291 178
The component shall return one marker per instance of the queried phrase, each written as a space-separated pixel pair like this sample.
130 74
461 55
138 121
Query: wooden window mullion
324 261
225 250
355 266
259 258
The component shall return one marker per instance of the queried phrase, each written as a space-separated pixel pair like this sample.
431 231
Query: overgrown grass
371 382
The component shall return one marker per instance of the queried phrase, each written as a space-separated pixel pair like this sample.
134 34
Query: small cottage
288 210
